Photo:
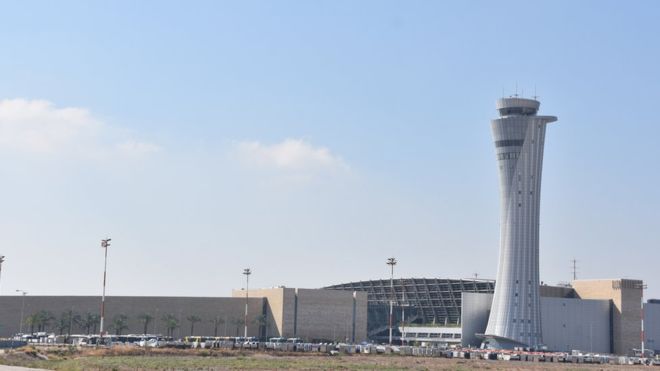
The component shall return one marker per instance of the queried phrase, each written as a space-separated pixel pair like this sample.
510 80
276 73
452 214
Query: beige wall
275 307
314 313
626 296
328 315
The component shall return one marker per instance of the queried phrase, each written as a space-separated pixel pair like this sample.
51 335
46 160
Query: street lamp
391 262
247 272
23 292
104 245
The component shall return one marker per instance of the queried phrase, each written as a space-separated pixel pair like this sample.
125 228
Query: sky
312 140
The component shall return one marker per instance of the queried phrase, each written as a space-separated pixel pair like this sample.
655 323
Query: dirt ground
132 358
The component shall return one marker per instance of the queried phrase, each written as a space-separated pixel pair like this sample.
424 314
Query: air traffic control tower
519 134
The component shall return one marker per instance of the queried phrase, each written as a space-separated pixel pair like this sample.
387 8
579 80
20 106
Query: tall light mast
391 262
247 272
104 245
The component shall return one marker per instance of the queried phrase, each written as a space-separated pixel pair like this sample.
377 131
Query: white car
153 343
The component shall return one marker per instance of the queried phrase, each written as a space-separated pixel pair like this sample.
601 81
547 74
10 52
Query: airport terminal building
590 315
600 316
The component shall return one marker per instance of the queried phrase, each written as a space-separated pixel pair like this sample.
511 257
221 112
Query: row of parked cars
150 340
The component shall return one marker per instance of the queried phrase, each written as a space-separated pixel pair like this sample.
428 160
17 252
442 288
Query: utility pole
104 245
391 262
23 292
247 272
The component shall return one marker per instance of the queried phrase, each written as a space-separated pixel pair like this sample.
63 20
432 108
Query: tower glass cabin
519 135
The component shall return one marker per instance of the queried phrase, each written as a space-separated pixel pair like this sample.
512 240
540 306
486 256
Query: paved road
15 368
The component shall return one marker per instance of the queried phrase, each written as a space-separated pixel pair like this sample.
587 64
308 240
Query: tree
90 322
238 322
62 324
87 321
193 319
261 321
32 321
171 323
217 321
146 318
71 319
119 323
45 318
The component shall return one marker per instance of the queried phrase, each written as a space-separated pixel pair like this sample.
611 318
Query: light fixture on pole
104 245
391 262
23 292
247 272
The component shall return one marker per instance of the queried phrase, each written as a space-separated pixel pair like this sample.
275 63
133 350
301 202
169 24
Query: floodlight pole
247 272
104 245
23 292
391 262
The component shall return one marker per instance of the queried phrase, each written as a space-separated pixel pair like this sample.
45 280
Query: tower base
499 342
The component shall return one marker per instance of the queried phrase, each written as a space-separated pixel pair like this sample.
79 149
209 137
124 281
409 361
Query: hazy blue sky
311 140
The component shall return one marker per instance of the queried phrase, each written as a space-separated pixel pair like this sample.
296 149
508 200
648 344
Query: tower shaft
519 135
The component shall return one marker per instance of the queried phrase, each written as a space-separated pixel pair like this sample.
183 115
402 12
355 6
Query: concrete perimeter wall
229 311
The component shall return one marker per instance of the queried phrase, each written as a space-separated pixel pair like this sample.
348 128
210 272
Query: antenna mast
574 269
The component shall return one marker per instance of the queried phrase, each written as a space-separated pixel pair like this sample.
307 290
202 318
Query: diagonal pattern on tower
519 136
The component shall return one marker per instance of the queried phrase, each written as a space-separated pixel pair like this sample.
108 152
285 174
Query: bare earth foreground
164 359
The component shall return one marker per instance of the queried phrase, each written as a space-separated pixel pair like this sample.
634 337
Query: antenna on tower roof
536 97
574 261
516 95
